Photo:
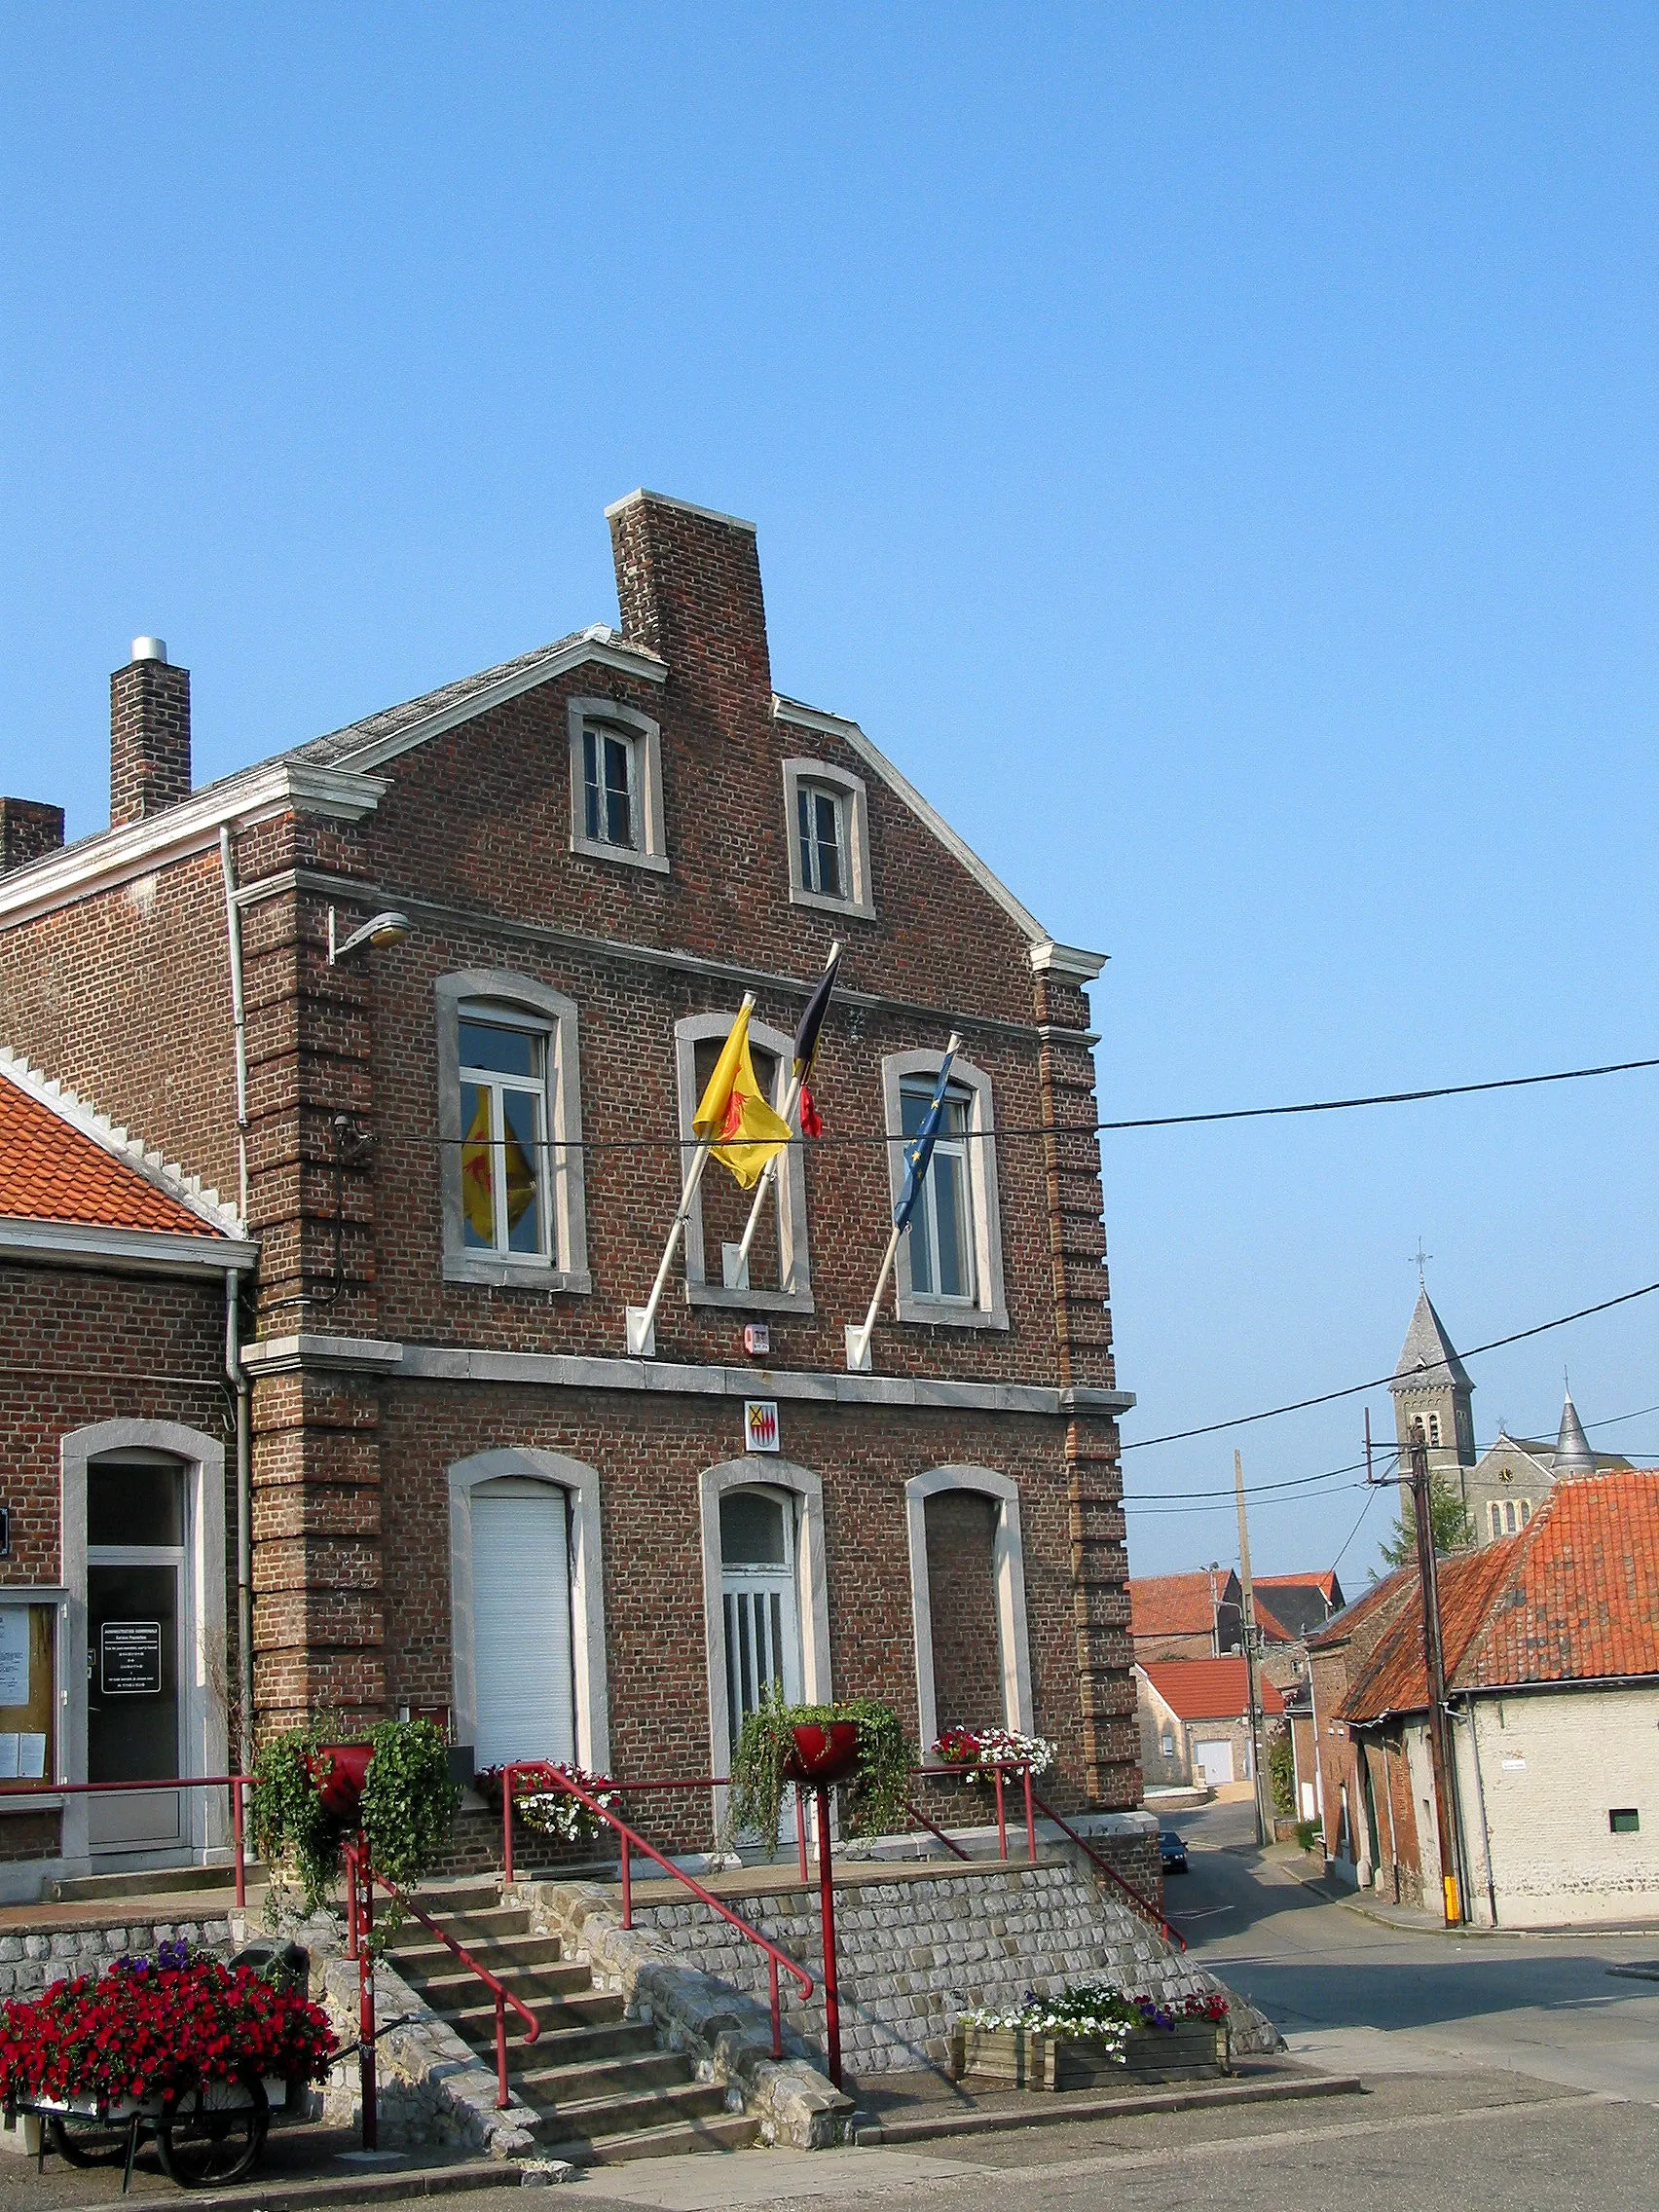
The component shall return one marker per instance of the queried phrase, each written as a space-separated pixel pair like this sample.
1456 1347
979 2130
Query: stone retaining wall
919 1946
31 1963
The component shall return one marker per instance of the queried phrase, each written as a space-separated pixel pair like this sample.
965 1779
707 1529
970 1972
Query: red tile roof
1207 1689
1173 1604
1571 1597
51 1171
1325 1584
1268 1622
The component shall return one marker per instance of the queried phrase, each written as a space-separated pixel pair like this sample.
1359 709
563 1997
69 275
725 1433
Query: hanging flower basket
824 1754
1088 2036
540 1802
981 1751
338 1773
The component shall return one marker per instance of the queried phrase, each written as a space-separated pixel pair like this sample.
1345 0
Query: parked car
1172 1851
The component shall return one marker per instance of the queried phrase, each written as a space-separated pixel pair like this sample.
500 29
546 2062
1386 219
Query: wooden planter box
1194 2050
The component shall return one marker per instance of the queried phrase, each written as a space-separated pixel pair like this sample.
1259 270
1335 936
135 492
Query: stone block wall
31 1963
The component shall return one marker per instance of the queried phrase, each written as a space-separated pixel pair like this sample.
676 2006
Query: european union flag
918 1152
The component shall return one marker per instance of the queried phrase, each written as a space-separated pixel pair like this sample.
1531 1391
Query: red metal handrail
632 1841
502 1995
1149 1911
235 1783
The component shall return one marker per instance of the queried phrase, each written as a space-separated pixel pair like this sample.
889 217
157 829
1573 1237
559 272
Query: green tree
1281 1770
1449 1516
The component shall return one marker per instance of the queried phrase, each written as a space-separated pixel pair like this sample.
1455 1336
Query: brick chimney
28 830
688 584
149 734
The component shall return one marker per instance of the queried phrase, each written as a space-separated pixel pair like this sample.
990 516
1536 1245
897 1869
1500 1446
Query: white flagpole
769 1173
857 1340
640 1318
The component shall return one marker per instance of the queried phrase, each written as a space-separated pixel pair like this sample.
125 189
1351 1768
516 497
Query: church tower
1432 1391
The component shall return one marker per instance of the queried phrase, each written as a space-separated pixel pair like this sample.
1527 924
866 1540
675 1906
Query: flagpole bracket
859 1361
642 1332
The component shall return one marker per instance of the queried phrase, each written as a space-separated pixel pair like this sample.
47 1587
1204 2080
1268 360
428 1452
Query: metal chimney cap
150 649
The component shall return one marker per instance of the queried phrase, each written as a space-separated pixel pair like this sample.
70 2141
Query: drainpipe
1468 1714
233 1369
238 1376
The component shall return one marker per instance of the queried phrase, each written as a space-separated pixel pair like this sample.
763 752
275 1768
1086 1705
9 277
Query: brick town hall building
314 1256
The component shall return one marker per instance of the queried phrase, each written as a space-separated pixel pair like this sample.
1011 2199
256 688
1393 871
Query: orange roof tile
53 1171
1207 1689
1173 1604
1571 1597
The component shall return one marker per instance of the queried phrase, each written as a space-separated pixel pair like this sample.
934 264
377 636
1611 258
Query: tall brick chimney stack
29 830
149 734
688 583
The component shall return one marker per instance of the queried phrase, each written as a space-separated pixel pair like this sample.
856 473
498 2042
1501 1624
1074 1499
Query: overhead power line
1381 1381
1097 1129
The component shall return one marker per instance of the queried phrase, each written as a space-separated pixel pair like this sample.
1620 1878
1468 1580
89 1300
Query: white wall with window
948 1269
827 816
782 1239
526 1596
510 1124
616 805
1008 1559
765 1597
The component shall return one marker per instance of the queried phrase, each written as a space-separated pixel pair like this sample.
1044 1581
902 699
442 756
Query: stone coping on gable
574 1371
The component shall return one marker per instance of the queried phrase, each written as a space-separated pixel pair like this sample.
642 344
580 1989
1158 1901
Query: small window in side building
610 786
1168 1744
823 827
1624 1819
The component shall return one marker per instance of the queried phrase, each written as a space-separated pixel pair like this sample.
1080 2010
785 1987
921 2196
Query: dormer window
616 809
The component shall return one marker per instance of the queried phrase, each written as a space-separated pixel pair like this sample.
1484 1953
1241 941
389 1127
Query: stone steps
601 2088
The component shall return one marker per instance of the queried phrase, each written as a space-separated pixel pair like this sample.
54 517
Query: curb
1044 2114
351 2189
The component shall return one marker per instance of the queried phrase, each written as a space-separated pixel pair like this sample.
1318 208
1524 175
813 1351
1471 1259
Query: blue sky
1213 450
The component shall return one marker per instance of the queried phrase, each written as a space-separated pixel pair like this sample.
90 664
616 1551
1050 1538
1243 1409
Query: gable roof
1174 1604
1428 1359
1571 1597
62 1162
1208 1689
1270 1624
1299 1603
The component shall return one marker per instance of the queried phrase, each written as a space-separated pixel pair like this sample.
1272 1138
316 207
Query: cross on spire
1421 1258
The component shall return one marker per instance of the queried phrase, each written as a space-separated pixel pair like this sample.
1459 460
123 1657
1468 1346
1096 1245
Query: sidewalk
1410 1920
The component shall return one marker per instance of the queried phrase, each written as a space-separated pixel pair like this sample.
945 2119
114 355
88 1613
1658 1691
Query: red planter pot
339 1771
824 1756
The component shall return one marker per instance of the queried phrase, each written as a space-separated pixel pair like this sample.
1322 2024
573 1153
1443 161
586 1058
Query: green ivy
877 1796
409 1803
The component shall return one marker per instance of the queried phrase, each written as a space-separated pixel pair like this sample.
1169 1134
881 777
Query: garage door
1214 1761
521 1623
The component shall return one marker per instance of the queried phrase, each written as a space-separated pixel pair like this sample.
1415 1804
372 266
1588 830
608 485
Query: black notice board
129 1658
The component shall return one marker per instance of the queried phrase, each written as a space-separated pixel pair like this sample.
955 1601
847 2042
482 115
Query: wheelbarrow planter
208 2134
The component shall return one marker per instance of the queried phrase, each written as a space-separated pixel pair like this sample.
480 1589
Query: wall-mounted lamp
390 928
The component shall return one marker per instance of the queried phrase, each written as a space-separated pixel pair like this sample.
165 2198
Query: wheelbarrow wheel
212 2134
81 2139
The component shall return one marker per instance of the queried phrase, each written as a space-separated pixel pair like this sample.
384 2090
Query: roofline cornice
114 857
124 1251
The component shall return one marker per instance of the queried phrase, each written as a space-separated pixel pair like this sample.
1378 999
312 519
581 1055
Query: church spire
1572 1452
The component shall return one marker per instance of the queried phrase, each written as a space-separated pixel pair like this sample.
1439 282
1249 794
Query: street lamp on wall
388 928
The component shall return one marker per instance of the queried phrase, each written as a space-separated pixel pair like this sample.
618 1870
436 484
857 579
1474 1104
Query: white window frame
1008 1570
495 1015
589 1685
201 1633
646 743
788 1189
860 900
988 1309
515 1001
812 1592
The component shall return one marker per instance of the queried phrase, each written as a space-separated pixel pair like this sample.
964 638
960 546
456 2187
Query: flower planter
1018 2058
823 1756
339 1772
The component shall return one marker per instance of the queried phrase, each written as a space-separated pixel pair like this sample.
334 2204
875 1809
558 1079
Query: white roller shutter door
521 1623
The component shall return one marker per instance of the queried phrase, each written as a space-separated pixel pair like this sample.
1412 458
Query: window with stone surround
826 822
948 1269
777 1276
616 804
509 1121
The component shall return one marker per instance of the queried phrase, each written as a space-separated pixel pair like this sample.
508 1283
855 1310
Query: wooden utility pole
1252 1642
1435 1666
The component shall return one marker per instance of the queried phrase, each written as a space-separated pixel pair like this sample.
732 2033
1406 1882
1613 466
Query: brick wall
966 1662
